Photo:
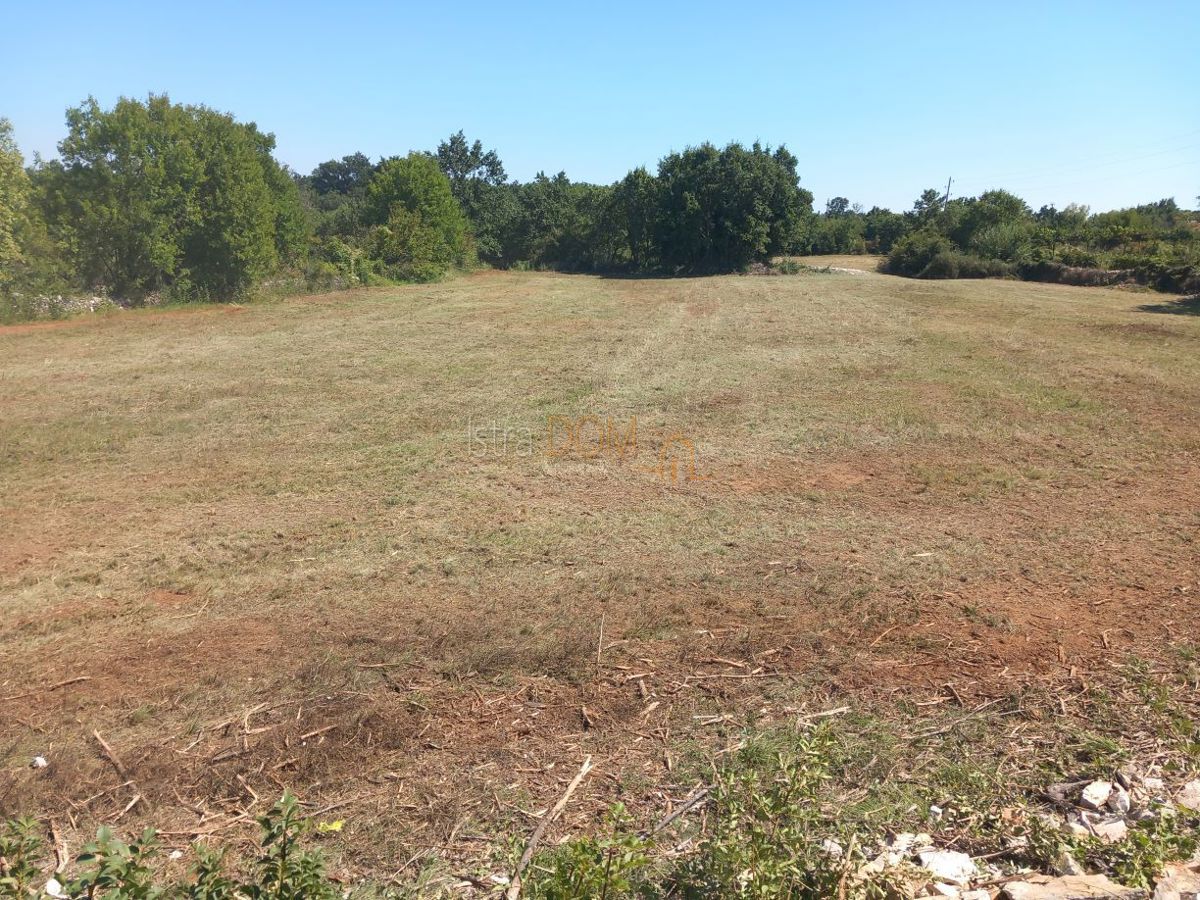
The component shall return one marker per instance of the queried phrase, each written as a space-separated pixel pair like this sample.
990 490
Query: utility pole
946 199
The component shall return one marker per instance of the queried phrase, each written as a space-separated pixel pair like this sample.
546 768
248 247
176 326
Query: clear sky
1095 102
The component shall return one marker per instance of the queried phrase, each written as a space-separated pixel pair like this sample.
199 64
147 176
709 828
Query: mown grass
207 510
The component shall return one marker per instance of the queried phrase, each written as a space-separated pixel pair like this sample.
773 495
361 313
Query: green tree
418 230
926 207
883 228
555 223
160 196
14 200
722 209
837 206
480 185
636 207
344 176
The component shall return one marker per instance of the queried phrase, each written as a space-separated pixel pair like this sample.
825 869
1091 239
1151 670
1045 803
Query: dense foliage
152 199
997 234
155 196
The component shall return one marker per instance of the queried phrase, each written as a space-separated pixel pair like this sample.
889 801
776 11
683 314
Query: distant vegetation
160 201
997 235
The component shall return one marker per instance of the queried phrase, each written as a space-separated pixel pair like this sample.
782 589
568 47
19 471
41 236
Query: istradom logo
672 457
589 437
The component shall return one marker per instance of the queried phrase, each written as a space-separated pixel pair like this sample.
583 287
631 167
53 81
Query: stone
977 894
1189 795
907 842
1178 883
831 848
948 865
1111 831
1065 791
1071 887
1066 864
938 889
1076 827
1119 800
1096 794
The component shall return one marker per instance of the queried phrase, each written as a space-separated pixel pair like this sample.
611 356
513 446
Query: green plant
116 870
285 871
913 253
20 845
606 867
767 832
1141 857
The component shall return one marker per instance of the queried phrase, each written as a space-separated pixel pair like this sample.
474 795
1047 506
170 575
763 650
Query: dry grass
906 485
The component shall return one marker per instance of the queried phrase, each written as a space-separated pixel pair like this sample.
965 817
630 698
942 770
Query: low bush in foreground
114 869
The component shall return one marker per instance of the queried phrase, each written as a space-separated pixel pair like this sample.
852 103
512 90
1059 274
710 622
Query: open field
271 543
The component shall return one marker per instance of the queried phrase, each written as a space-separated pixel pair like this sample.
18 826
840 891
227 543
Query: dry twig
514 886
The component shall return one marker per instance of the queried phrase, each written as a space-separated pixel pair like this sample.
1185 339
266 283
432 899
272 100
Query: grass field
287 544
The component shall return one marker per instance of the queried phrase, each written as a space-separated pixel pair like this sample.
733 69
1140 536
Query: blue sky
1094 102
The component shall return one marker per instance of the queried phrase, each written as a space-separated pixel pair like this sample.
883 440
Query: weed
20 846
117 870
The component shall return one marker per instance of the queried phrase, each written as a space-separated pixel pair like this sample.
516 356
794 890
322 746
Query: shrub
913 253
1008 241
112 868
420 232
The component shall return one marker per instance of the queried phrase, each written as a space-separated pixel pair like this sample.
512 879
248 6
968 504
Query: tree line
152 199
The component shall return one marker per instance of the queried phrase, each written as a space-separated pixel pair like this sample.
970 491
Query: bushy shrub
1007 241
419 232
913 253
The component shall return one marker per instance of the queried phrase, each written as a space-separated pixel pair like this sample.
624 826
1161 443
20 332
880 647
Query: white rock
1076 827
939 889
1066 864
1189 795
935 812
977 894
54 889
872 867
175 854
1096 794
1118 800
1111 831
1178 883
1153 785
831 848
39 762
1070 887
948 865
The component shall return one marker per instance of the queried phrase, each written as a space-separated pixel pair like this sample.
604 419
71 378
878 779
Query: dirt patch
873 473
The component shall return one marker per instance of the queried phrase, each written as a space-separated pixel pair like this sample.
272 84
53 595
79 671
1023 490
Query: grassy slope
907 485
